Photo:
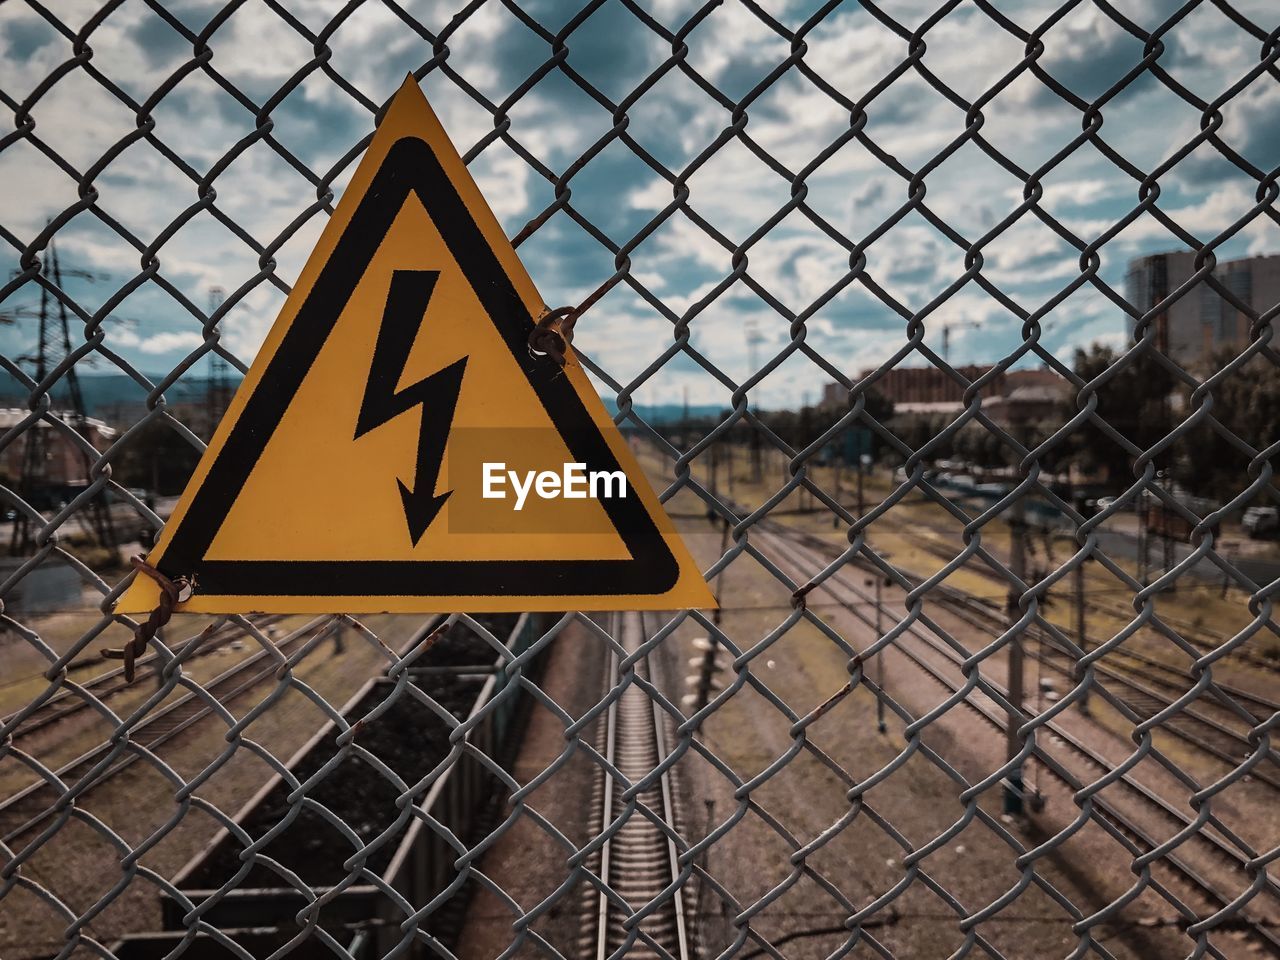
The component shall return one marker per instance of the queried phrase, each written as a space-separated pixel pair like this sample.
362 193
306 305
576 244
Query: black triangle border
410 166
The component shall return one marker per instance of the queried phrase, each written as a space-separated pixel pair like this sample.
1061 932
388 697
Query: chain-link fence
994 671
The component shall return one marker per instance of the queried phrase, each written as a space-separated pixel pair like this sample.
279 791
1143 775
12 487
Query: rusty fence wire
844 760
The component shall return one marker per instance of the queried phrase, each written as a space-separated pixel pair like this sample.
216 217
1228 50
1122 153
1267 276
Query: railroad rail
38 802
638 859
1138 839
1147 667
1193 724
103 686
1199 637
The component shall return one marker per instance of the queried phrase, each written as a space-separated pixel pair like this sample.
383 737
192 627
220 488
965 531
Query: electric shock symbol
436 394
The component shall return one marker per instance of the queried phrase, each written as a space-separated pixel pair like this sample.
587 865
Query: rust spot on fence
172 592
550 338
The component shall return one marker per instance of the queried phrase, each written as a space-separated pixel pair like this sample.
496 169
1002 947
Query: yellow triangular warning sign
397 447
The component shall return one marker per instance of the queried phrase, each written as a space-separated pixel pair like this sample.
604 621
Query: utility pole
806 495
946 334
1082 640
728 465
35 484
1144 539
752 331
710 658
862 507
879 584
1160 291
1018 567
880 654
1166 536
98 509
715 481
1078 579
839 462
33 481
684 421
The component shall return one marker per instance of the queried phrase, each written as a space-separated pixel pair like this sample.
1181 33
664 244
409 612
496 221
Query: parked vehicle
1259 522
958 481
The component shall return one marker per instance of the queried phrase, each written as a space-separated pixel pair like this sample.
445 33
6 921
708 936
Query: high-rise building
1202 321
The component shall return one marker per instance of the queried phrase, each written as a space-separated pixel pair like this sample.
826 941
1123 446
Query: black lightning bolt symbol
437 394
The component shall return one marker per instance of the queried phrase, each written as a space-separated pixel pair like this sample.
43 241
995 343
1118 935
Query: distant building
1027 403
62 462
1201 321
1013 395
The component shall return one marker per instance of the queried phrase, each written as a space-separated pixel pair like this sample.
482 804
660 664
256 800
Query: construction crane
946 334
53 344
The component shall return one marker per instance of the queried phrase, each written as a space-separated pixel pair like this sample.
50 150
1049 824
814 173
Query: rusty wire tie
172 592
553 342
799 597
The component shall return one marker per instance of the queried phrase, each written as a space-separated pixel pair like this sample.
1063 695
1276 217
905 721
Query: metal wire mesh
909 853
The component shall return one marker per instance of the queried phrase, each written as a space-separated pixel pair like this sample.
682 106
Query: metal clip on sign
552 341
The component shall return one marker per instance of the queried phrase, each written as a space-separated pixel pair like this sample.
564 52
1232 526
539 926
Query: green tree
157 459
1136 402
1246 402
799 428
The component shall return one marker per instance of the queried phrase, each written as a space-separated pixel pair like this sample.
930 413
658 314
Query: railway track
1197 636
38 802
1138 838
1145 685
639 860
1134 662
1204 639
1211 726
103 686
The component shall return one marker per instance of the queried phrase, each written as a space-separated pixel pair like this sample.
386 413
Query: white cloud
853 190
170 342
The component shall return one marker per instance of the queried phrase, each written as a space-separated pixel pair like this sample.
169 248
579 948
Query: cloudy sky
852 191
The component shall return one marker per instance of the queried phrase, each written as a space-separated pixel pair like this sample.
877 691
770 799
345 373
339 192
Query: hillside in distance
105 393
